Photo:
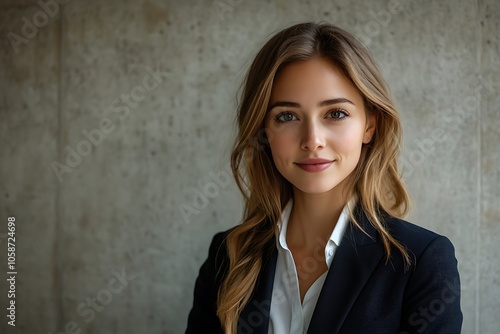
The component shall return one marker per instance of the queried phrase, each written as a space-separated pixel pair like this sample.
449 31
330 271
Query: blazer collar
352 266
255 316
354 261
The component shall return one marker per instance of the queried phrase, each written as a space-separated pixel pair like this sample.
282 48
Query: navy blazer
362 293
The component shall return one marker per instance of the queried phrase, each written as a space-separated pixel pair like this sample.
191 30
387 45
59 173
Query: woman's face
316 113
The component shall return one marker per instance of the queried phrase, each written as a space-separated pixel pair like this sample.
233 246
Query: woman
322 247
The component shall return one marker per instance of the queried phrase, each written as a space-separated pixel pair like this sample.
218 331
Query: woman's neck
313 218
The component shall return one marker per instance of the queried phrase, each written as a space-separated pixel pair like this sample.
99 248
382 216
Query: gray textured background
120 207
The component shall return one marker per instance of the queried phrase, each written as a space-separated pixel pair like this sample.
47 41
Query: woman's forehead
313 80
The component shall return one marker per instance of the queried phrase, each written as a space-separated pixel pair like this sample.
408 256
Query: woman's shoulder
219 238
217 250
416 238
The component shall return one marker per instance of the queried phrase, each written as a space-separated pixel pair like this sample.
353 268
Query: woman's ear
371 125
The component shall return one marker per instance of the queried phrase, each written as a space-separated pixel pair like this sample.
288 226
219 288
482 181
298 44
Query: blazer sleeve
202 317
432 295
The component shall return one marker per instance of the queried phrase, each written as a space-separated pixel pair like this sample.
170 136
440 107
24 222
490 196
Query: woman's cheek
282 146
348 140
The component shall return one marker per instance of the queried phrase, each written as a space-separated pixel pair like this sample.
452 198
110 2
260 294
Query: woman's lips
316 167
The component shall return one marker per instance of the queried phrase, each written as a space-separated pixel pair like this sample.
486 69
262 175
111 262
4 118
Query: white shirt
287 314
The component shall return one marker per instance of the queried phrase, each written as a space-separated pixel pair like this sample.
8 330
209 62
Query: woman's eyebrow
335 101
321 104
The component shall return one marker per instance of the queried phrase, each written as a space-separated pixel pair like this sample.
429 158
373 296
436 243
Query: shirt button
330 252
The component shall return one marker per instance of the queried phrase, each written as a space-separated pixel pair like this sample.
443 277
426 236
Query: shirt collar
335 236
283 225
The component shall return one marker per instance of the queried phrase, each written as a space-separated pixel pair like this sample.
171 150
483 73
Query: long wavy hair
375 181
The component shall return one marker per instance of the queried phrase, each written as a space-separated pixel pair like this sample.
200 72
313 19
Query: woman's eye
338 114
285 117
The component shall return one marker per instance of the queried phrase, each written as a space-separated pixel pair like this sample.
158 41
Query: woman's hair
375 181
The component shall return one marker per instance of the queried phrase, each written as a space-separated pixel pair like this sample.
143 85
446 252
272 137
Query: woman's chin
314 189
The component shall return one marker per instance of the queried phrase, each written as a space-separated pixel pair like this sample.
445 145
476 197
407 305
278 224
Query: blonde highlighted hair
375 181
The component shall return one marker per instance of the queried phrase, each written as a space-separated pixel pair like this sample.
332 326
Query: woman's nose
312 137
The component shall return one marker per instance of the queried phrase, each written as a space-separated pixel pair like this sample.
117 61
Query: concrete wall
115 212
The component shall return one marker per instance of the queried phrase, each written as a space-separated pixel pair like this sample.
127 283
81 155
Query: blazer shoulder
414 237
433 280
217 251
203 315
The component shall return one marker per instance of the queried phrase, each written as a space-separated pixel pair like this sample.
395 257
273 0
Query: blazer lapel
354 261
255 316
